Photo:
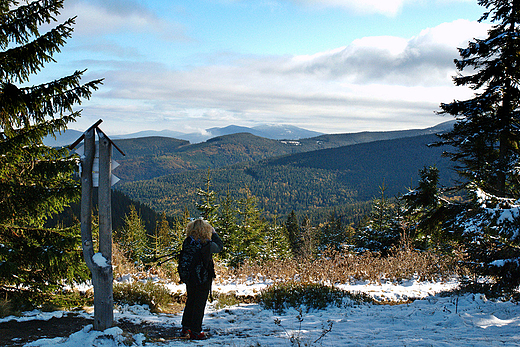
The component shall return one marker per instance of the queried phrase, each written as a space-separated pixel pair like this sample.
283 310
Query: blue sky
332 66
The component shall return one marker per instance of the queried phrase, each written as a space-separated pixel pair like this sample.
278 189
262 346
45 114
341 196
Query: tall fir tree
134 238
36 181
486 139
226 225
380 232
486 134
248 241
178 231
332 234
309 237
293 231
275 243
162 237
207 206
425 209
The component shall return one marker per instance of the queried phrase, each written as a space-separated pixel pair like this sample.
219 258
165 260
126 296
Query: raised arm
216 243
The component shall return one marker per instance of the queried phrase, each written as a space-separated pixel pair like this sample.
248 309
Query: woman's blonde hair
199 229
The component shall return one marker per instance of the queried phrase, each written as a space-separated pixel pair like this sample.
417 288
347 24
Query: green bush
156 296
66 300
295 294
15 302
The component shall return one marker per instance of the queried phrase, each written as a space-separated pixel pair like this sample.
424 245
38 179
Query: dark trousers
195 305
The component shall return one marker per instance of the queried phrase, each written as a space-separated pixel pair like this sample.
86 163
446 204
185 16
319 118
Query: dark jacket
202 269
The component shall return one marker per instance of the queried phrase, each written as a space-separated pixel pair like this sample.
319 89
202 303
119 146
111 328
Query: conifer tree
178 231
293 233
135 238
486 134
275 243
248 241
486 139
162 237
425 206
309 239
226 225
332 234
207 206
380 232
36 181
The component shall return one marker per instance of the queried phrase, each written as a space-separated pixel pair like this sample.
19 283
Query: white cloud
374 83
97 17
385 7
422 60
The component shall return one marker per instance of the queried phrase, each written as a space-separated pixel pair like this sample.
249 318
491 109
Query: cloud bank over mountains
372 83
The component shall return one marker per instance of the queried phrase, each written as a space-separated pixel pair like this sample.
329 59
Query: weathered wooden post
99 264
103 278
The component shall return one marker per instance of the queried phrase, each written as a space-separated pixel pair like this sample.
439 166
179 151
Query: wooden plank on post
103 311
94 126
86 197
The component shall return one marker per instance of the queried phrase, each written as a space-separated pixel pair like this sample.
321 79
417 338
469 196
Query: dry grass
330 268
121 265
6 308
334 268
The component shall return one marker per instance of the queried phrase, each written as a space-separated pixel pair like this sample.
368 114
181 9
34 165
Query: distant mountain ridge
150 157
334 140
272 131
268 131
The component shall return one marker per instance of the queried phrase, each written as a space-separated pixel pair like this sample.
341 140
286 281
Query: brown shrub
333 268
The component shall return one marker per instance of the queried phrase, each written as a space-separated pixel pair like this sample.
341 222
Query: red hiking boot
198 336
186 333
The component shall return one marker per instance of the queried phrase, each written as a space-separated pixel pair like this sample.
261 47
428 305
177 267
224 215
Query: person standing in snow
196 270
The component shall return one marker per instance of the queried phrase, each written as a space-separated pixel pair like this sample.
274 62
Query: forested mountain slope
154 157
151 157
303 181
336 140
148 157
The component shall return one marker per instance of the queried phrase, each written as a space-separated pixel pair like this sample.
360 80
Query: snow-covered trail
434 320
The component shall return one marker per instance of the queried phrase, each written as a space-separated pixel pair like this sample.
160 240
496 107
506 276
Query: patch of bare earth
13 333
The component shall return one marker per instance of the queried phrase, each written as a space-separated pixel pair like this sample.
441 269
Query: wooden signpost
100 263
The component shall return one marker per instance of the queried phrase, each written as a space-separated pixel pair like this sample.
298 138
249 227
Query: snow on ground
432 320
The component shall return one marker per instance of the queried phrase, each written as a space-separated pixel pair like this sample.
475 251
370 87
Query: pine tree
226 225
486 141
425 206
309 237
276 243
380 232
293 234
135 238
36 181
332 234
178 232
207 206
248 241
486 134
162 237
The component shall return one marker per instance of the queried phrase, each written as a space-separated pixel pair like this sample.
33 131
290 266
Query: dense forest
340 177
121 205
